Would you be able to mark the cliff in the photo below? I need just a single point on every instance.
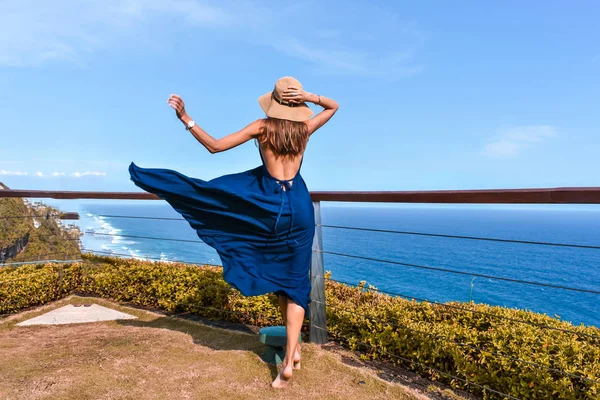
(14, 249)
(33, 232)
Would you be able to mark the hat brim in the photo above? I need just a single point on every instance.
(273, 109)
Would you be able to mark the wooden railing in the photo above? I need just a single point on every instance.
(567, 195)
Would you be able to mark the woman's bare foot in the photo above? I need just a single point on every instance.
(283, 378)
(285, 373)
(297, 358)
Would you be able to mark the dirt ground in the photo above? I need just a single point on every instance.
(164, 357)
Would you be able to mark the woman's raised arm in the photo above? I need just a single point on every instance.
(214, 145)
(330, 106)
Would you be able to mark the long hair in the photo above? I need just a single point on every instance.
(285, 138)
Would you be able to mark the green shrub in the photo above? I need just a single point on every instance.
(481, 348)
(32, 285)
(179, 288)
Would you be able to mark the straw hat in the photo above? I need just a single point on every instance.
(273, 105)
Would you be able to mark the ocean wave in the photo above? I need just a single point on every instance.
(103, 236)
(136, 254)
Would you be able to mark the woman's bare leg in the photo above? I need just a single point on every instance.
(283, 301)
(295, 316)
(283, 305)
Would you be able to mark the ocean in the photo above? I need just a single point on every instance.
(564, 266)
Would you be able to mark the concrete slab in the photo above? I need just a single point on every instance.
(70, 314)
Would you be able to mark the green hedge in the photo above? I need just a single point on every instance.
(376, 324)
(32, 285)
(474, 346)
(178, 288)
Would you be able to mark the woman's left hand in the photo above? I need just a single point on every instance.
(294, 95)
(177, 104)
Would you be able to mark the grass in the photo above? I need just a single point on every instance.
(163, 357)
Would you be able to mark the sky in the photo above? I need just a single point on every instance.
(433, 95)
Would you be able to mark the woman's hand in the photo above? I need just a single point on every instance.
(177, 104)
(297, 96)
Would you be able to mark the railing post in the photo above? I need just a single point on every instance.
(318, 319)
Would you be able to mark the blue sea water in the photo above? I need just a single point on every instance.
(572, 267)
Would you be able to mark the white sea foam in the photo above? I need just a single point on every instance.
(136, 254)
(105, 237)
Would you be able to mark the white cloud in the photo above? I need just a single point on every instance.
(39, 174)
(502, 149)
(359, 38)
(71, 163)
(17, 173)
(513, 141)
(349, 61)
(35, 32)
(87, 173)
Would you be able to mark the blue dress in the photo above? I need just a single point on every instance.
(261, 227)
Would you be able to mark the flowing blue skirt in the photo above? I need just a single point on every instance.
(262, 228)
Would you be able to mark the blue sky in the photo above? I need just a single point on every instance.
(433, 94)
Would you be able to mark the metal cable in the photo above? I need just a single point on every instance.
(92, 252)
(389, 262)
(468, 309)
(577, 246)
(45, 236)
(28, 216)
(40, 262)
(452, 271)
(541, 243)
(143, 237)
(140, 217)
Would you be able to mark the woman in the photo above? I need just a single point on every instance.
(260, 221)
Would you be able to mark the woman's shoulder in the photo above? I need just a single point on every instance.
(258, 124)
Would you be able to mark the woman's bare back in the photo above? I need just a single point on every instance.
(282, 168)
